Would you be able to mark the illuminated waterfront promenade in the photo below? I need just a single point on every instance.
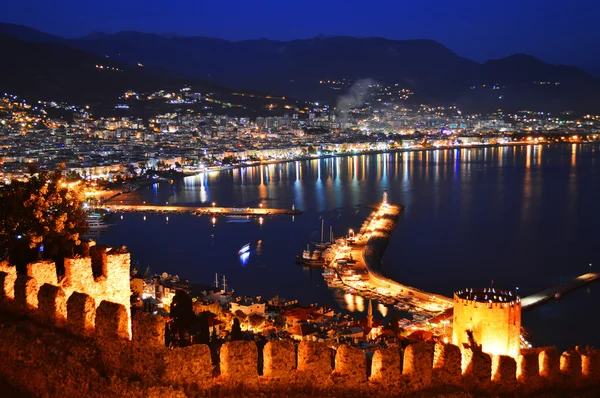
(366, 247)
(208, 211)
(561, 290)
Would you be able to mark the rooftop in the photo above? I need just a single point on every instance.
(486, 295)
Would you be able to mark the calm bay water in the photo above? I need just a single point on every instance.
(521, 216)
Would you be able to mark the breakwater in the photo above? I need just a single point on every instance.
(369, 247)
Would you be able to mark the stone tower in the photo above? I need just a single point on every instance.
(493, 315)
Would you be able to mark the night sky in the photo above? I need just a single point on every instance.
(553, 30)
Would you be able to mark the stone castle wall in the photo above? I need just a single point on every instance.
(82, 344)
(104, 276)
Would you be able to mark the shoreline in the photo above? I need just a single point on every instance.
(370, 152)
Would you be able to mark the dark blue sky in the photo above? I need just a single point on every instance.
(555, 31)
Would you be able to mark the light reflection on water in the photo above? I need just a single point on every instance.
(522, 216)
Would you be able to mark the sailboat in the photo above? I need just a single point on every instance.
(325, 245)
(222, 292)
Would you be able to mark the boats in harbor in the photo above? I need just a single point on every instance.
(244, 249)
(314, 259)
(96, 222)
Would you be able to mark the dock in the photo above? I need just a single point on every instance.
(211, 211)
(365, 248)
(561, 290)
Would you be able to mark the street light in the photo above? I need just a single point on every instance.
(213, 204)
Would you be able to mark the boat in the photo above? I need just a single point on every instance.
(239, 220)
(244, 249)
(557, 296)
(315, 259)
(319, 262)
(96, 223)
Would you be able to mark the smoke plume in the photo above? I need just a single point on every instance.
(356, 96)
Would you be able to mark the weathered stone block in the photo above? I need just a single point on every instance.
(351, 364)
(81, 314)
(279, 359)
(43, 272)
(504, 373)
(26, 290)
(447, 365)
(528, 368)
(239, 361)
(78, 275)
(549, 362)
(570, 367)
(477, 369)
(112, 321)
(114, 286)
(418, 365)
(148, 330)
(314, 358)
(8, 277)
(590, 366)
(386, 366)
(190, 366)
(52, 305)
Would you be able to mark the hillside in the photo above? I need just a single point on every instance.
(295, 68)
(58, 72)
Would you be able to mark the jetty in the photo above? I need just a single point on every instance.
(211, 211)
(362, 252)
(558, 291)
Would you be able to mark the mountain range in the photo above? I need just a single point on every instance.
(294, 68)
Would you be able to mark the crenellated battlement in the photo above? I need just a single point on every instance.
(84, 317)
(70, 300)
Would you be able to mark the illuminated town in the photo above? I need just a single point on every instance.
(235, 199)
(192, 141)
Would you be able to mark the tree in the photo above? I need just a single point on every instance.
(394, 325)
(182, 314)
(40, 217)
(236, 330)
(204, 330)
(213, 336)
(240, 314)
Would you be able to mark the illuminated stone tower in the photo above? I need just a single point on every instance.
(493, 315)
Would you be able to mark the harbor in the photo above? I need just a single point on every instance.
(351, 263)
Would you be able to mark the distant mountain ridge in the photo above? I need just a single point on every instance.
(294, 68)
(55, 71)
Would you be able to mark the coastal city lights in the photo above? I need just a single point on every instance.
(246, 199)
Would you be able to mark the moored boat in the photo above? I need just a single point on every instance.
(244, 249)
